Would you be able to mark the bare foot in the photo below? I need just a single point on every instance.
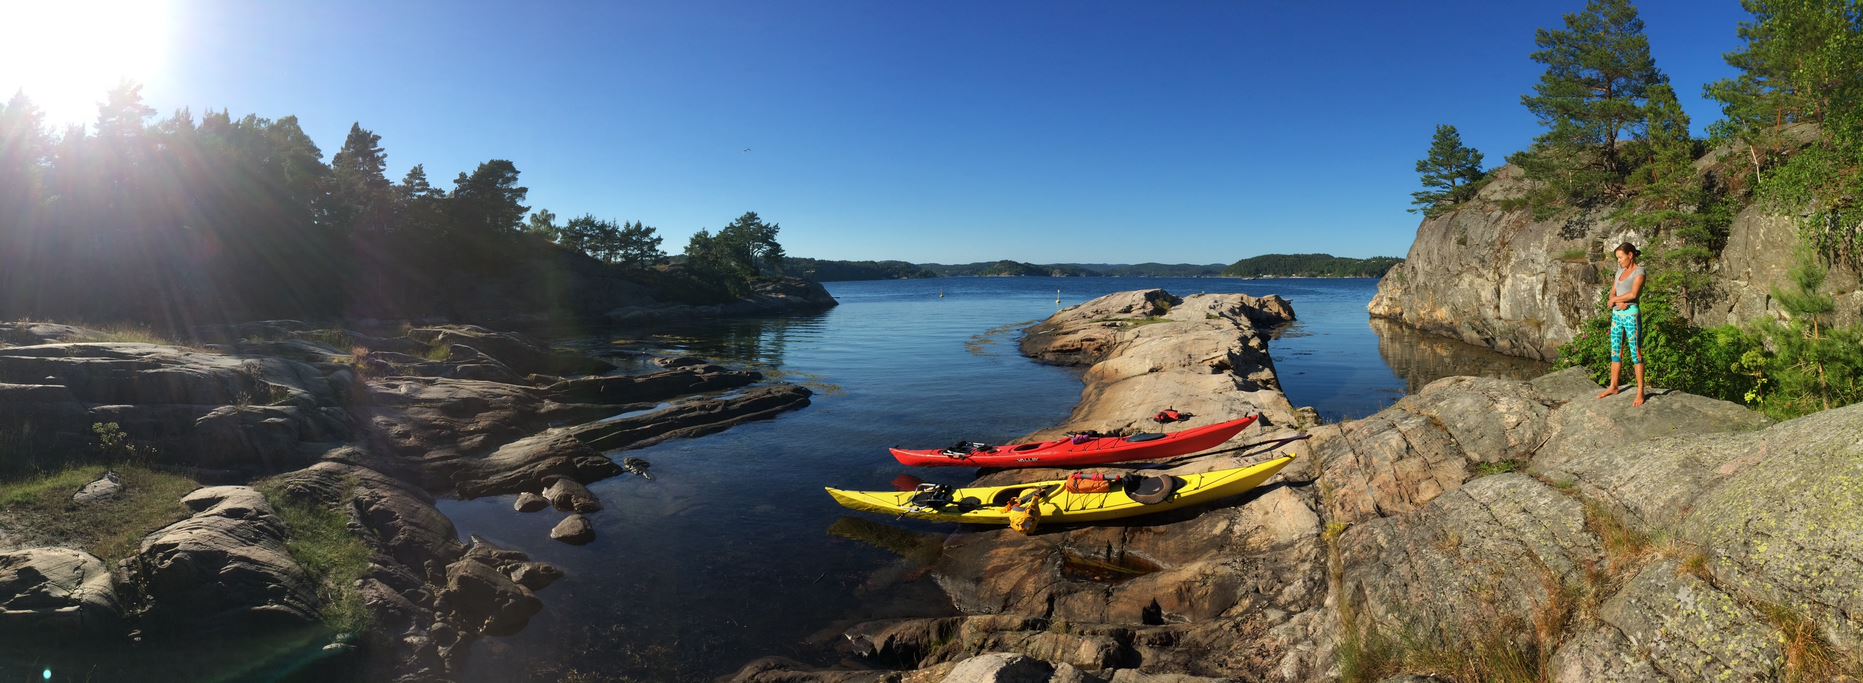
(1639, 402)
(1608, 392)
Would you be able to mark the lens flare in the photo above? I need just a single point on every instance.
(66, 54)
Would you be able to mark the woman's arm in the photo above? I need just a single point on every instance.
(1636, 290)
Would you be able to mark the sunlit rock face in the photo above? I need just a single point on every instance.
(1495, 276)
(56, 592)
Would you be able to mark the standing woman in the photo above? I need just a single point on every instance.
(1624, 319)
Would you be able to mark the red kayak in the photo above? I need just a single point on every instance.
(1077, 451)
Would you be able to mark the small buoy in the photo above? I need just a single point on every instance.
(1057, 296)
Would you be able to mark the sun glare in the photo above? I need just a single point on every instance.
(65, 54)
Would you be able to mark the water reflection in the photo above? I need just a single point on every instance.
(759, 341)
(1420, 358)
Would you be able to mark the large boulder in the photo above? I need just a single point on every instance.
(1426, 445)
(188, 407)
(484, 600)
(569, 494)
(574, 530)
(1146, 350)
(56, 593)
(1478, 561)
(1784, 524)
(1000, 667)
(226, 567)
(398, 519)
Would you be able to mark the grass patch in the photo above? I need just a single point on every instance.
(39, 510)
(1492, 657)
(129, 333)
(1368, 655)
(1624, 546)
(1497, 467)
(439, 353)
(1808, 656)
(320, 540)
(1333, 530)
(1575, 256)
(333, 338)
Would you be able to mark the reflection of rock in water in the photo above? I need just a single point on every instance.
(1421, 358)
(919, 547)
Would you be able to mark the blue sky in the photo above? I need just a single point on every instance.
(944, 131)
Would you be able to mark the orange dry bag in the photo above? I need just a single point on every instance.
(1081, 482)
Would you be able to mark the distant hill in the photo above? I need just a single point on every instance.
(1151, 269)
(1268, 265)
(821, 270)
(1310, 265)
(1006, 269)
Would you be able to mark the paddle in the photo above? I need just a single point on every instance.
(1271, 444)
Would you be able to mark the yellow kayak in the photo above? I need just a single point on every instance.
(1137, 495)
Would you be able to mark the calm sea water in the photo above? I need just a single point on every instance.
(733, 551)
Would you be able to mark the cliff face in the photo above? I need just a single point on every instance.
(1498, 278)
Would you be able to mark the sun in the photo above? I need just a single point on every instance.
(65, 54)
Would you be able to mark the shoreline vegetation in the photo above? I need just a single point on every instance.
(210, 219)
(1265, 266)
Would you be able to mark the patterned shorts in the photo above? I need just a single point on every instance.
(1624, 331)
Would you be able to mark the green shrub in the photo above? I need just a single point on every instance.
(1806, 365)
(113, 445)
(1676, 354)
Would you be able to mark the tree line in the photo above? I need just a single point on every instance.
(1311, 265)
(187, 220)
(1791, 137)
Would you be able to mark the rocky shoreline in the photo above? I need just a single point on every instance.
(303, 424)
(1479, 529)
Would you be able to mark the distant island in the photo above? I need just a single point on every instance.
(1311, 265)
(1266, 265)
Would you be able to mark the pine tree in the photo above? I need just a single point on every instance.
(1668, 179)
(489, 202)
(361, 197)
(1671, 197)
(122, 113)
(1803, 61)
(543, 224)
(1812, 366)
(1598, 72)
(638, 245)
(1449, 173)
